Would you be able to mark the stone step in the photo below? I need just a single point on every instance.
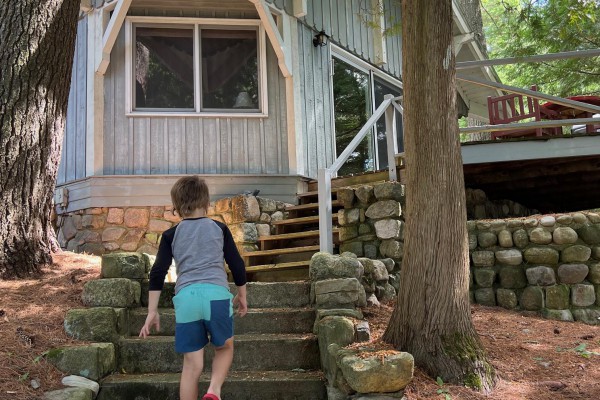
(257, 352)
(260, 294)
(240, 385)
(268, 320)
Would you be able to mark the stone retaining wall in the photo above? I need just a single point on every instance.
(546, 264)
(138, 229)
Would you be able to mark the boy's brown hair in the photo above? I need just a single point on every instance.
(188, 194)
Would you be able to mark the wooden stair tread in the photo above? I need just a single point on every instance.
(301, 220)
(295, 235)
(274, 252)
(278, 267)
(310, 206)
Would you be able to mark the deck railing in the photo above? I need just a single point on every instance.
(388, 107)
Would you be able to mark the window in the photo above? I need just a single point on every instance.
(200, 66)
(358, 89)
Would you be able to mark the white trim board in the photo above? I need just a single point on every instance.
(531, 149)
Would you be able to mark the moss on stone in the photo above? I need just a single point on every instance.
(473, 381)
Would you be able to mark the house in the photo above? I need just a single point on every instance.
(250, 94)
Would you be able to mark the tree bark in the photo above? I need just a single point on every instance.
(432, 319)
(36, 57)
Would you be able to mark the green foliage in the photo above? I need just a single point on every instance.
(515, 28)
(581, 350)
(442, 391)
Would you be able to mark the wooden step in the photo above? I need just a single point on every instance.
(295, 235)
(277, 252)
(279, 267)
(301, 220)
(311, 206)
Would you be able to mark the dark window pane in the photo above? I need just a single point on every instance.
(229, 69)
(352, 102)
(164, 68)
(381, 89)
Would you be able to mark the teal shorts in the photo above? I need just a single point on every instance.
(203, 313)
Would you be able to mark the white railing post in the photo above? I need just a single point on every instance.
(392, 142)
(325, 211)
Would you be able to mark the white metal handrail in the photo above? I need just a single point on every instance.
(528, 125)
(388, 107)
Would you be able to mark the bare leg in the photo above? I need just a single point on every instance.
(192, 368)
(220, 367)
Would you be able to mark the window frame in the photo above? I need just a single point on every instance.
(345, 56)
(196, 24)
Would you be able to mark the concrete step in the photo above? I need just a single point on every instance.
(267, 320)
(251, 385)
(260, 294)
(257, 352)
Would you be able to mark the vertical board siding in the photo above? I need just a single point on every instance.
(193, 144)
(72, 163)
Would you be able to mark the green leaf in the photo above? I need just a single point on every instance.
(439, 381)
(24, 377)
(39, 358)
(581, 347)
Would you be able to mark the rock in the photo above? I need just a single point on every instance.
(589, 316)
(136, 217)
(380, 272)
(392, 249)
(564, 235)
(388, 229)
(497, 225)
(390, 264)
(348, 232)
(93, 221)
(267, 205)
(355, 247)
(364, 229)
(91, 324)
(155, 211)
(532, 298)
(338, 293)
(81, 382)
(485, 297)
(547, 220)
(512, 278)
(557, 315)
(594, 273)
(346, 197)
(365, 194)
(509, 257)
(540, 236)
(385, 292)
(541, 255)
(113, 233)
(114, 292)
(472, 241)
(583, 295)
(223, 205)
(244, 208)
(158, 225)
(530, 223)
(564, 219)
(93, 361)
(277, 216)
(363, 332)
(265, 218)
(504, 238)
(72, 393)
(483, 258)
(596, 252)
(123, 265)
(244, 233)
(576, 253)
(540, 276)
(485, 277)
(507, 298)
(557, 297)
(384, 209)
(590, 234)
(487, 239)
(520, 238)
(572, 273)
(327, 266)
(378, 374)
(333, 330)
(372, 301)
(389, 191)
(348, 216)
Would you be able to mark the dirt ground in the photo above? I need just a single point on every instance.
(534, 358)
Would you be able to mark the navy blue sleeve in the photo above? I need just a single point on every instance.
(163, 261)
(232, 257)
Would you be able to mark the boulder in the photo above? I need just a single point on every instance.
(244, 232)
(384, 209)
(587, 316)
(326, 266)
(509, 257)
(345, 196)
(487, 239)
(348, 216)
(392, 248)
(339, 293)
(97, 324)
(583, 295)
(520, 238)
(113, 292)
(512, 278)
(564, 235)
(558, 315)
(245, 208)
(93, 361)
(123, 265)
(365, 194)
(540, 276)
(590, 234)
(507, 298)
(389, 191)
(377, 373)
(576, 253)
(505, 238)
(557, 297)
(541, 255)
(388, 228)
(483, 258)
(485, 277)
(333, 330)
(485, 297)
(594, 273)
(540, 236)
(572, 273)
(532, 298)
(69, 394)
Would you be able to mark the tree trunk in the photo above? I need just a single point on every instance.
(432, 319)
(36, 57)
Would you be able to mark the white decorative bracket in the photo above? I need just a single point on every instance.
(300, 8)
(282, 51)
(110, 35)
(460, 40)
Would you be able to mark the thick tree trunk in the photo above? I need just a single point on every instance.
(36, 55)
(432, 319)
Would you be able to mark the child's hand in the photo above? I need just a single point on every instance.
(241, 304)
(153, 319)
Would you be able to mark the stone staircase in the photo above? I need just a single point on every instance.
(276, 355)
(285, 255)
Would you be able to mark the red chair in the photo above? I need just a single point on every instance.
(516, 107)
